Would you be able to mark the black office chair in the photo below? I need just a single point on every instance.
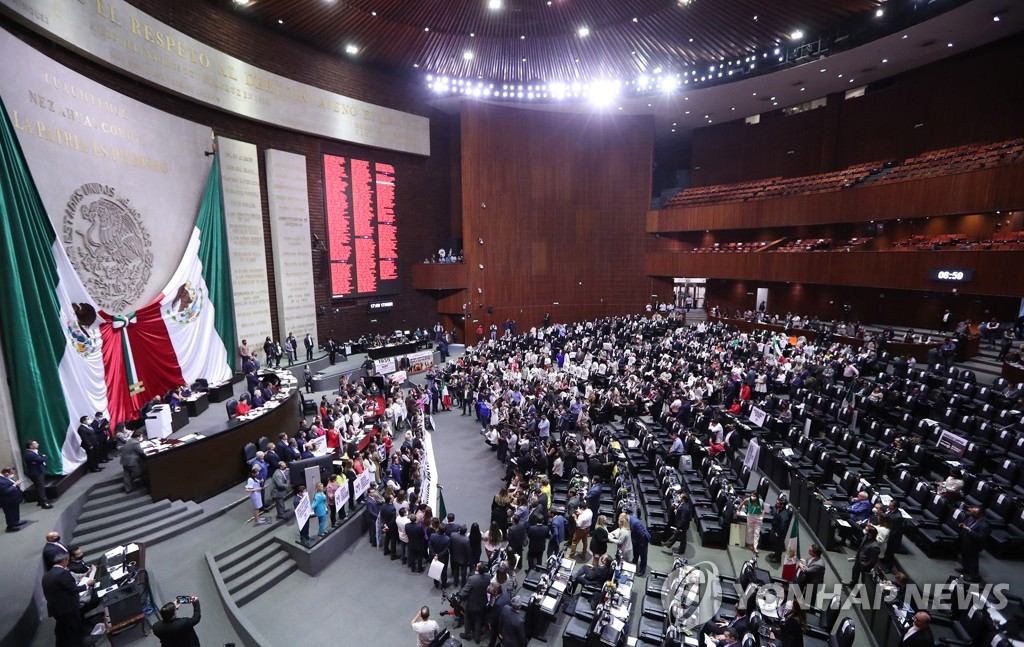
(843, 636)
(232, 408)
(262, 443)
(249, 451)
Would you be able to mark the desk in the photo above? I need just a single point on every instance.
(201, 468)
(179, 418)
(196, 404)
(221, 392)
(394, 350)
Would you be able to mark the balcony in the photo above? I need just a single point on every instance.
(440, 276)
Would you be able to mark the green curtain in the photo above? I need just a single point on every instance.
(30, 319)
(213, 254)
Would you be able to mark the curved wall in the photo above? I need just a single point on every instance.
(423, 194)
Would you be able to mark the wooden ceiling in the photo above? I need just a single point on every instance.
(538, 40)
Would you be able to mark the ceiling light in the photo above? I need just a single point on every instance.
(885, 60)
(879, 13)
(373, 13)
(472, 35)
(636, 20)
(351, 49)
(467, 55)
(796, 35)
(583, 32)
(494, 5)
(241, 3)
(657, 70)
(905, 36)
(522, 37)
(949, 44)
(280, 22)
(426, 29)
(994, 19)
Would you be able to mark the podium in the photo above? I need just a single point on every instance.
(158, 421)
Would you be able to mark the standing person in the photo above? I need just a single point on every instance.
(35, 470)
(289, 349)
(255, 490)
(791, 632)
(641, 543)
(132, 456)
(599, 538)
(974, 535)
(281, 482)
(425, 628)
(681, 519)
(389, 525)
(61, 592)
(308, 343)
(584, 518)
(90, 443)
(557, 523)
(307, 378)
(332, 350)
(945, 320)
(781, 522)
(439, 546)
(867, 555)
(460, 556)
(320, 508)
(175, 631)
(623, 539)
(300, 492)
(538, 535)
(11, 499)
(474, 595)
(594, 496)
(753, 506)
(416, 533)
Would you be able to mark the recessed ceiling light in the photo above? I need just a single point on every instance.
(583, 32)
(673, 130)
(472, 35)
(687, 112)
(879, 13)
(494, 5)
(802, 89)
(823, 69)
(994, 19)
(522, 38)
(524, 59)
(796, 35)
(415, 64)
(280, 22)
(905, 36)
(691, 40)
(351, 49)
(755, 94)
(637, 20)
(426, 29)
(949, 44)
(467, 55)
(241, 3)
(885, 60)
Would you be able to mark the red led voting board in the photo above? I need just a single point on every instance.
(362, 230)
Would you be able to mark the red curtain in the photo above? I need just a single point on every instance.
(156, 363)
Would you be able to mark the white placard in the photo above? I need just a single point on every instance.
(421, 361)
(753, 452)
(757, 416)
(311, 475)
(121, 181)
(318, 445)
(384, 365)
(362, 484)
(341, 496)
(303, 511)
(116, 34)
(952, 443)
(243, 217)
(398, 377)
(289, 230)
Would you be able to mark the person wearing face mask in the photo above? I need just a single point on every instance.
(90, 443)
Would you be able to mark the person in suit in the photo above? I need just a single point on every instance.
(460, 556)
(178, 632)
(308, 343)
(61, 592)
(895, 540)
(512, 626)
(332, 350)
(417, 544)
(132, 456)
(738, 626)
(53, 550)
(35, 470)
(439, 547)
(101, 426)
(867, 555)
(91, 445)
(781, 522)
(474, 601)
(920, 632)
(388, 518)
(11, 499)
(593, 497)
(281, 483)
(791, 632)
(590, 575)
(538, 535)
(974, 534)
(681, 518)
(499, 599)
(811, 571)
(450, 527)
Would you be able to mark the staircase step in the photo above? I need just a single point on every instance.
(258, 572)
(179, 518)
(264, 584)
(112, 500)
(269, 550)
(232, 556)
(100, 520)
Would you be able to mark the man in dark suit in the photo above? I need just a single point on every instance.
(417, 545)
(511, 625)
(867, 555)
(681, 518)
(920, 633)
(594, 496)
(11, 499)
(178, 632)
(974, 535)
(781, 522)
(892, 544)
(61, 592)
(738, 626)
(460, 556)
(101, 426)
(53, 551)
(308, 343)
(517, 539)
(499, 599)
(388, 517)
(591, 576)
(474, 601)
(90, 443)
(35, 470)
(538, 535)
(439, 543)
(449, 527)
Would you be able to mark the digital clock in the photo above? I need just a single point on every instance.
(951, 275)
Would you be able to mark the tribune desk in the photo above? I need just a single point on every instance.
(197, 467)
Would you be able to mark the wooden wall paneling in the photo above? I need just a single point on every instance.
(565, 198)
(921, 310)
(991, 189)
(996, 273)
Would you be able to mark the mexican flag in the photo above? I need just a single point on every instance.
(792, 551)
(50, 340)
